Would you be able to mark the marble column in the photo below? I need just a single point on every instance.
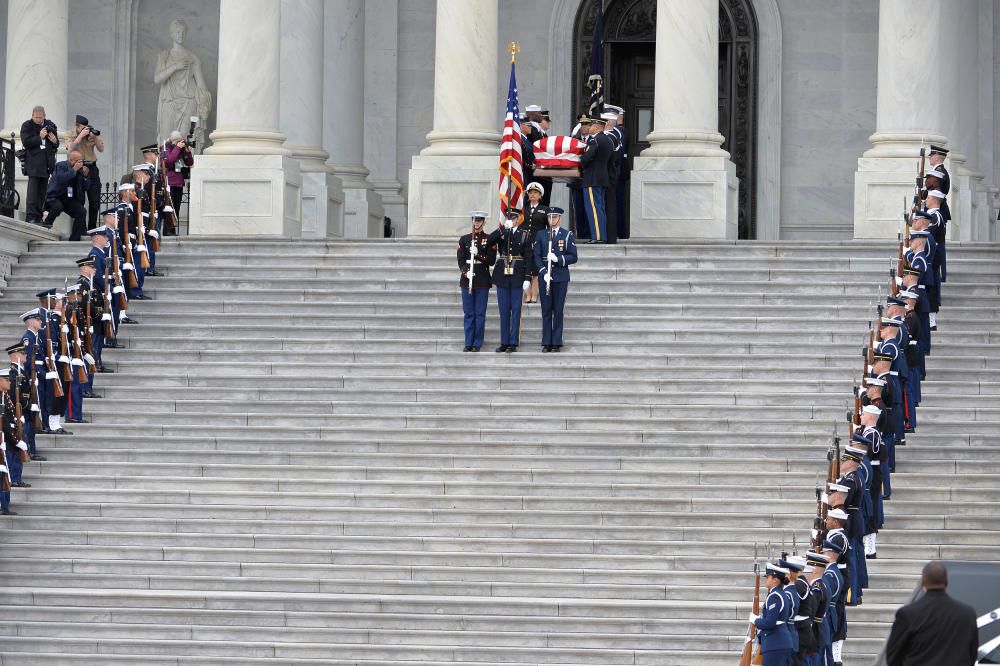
(344, 119)
(302, 117)
(909, 115)
(458, 171)
(37, 69)
(684, 185)
(381, 107)
(246, 182)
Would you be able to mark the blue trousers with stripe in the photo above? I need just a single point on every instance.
(474, 308)
(597, 218)
(509, 303)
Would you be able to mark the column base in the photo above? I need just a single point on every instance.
(363, 214)
(246, 195)
(322, 205)
(684, 197)
(393, 205)
(444, 190)
(883, 192)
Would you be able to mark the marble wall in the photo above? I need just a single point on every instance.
(829, 71)
(416, 81)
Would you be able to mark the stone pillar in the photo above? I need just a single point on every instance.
(459, 170)
(37, 70)
(344, 110)
(684, 185)
(246, 181)
(911, 54)
(302, 117)
(381, 105)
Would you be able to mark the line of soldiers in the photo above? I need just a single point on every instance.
(804, 615)
(52, 366)
(518, 255)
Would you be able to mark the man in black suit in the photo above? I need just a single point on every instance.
(40, 139)
(595, 179)
(934, 630)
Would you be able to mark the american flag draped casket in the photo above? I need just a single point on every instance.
(558, 157)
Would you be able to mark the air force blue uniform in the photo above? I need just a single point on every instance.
(553, 298)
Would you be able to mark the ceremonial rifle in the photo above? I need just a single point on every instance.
(119, 286)
(66, 370)
(548, 266)
(820, 514)
(78, 350)
(140, 236)
(18, 417)
(133, 280)
(154, 235)
(108, 316)
(88, 330)
(747, 657)
(36, 411)
(168, 209)
(50, 357)
(918, 191)
(472, 255)
(4, 473)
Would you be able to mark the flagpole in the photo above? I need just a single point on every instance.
(514, 49)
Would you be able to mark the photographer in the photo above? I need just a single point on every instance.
(178, 161)
(88, 141)
(40, 139)
(65, 193)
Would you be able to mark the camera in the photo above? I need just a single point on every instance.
(22, 154)
(94, 131)
(89, 163)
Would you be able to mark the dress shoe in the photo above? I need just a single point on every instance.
(38, 458)
(21, 484)
(501, 348)
(113, 345)
(77, 421)
(556, 348)
(94, 396)
(475, 349)
(8, 512)
(511, 348)
(129, 320)
(873, 556)
(140, 297)
(547, 348)
(152, 274)
(105, 371)
(45, 430)
(466, 349)
(62, 431)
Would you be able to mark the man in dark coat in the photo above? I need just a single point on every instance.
(66, 191)
(934, 629)
(40, 139)
(595, 179)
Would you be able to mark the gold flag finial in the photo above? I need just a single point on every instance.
(514, 49)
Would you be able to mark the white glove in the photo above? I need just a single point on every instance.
(815, 533)
(525, 285)
(508, 224)
(753, 618)
(547, 278)
(553, 258)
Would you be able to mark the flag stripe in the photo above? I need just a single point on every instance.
(511, 159)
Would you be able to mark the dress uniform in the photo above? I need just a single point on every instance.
(21, 388)
(536, 218)
(833, 579)
(511, 248)
(473, 250)
(594, 166)
(52, 322)
(34, 367)
(794, 566)
(773, 628)
(10, 465)
(819, 605)
(554, 246)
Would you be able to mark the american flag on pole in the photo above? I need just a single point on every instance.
(511, 170)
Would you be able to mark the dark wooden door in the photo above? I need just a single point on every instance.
(632, 83)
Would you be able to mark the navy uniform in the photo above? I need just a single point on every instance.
(474, 301)
(773, 628)
(73, 320)
(594, 167)
(833, 580)
(52, 322)
(21, 388)
(819, 597)
(621, 195)
(91, 290)
(511, 248)
(536, 218)
(553, 295)
(34, 368)
(152, 224)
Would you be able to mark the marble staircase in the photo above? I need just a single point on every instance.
(294, 462)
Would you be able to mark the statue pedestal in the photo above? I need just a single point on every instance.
(240, 195)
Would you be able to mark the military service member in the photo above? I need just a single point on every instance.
(512, 276)
(555, 251)
(474, 253)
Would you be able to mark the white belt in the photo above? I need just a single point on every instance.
(875, 462)
(780, 622)
(799, 618)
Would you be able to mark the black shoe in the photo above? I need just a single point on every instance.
(591, 241)
(112, 345)
(556, 348)
(94, 396)
(8, 512)
(38, 458)
(501, 348)
(62, 431)
(153, 274)
(45, 430)
(547, 348)
(141, 297)
(467, 348)
(873, 556)
(511, 348)
(104, 370)
(76, 421)
(128, 320)
(21, 484)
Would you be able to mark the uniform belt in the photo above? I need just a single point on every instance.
(799, 618)
(875, 462)
(514, 260)
(780, 622)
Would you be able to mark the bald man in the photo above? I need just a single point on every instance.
(66, 192)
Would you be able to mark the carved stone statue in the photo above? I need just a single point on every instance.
(183, 92)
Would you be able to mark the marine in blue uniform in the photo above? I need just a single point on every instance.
(554, 247)
(511, 276)
(773, 629)
(8, 455)
(473, 251)
(16, 450)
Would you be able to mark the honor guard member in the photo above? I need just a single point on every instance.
(9, 455)
(772, 624)
(512, 277)
(473, 252)
(34, 366)
(21, 380)
(116, 220)
(555, 250)
(594, 166)
(794, 567)
(92, 287)
(536, 218)
(77, 353)
(802, 622)
(141, 174)
(52, 331)
(621, 196)
(833, 579)
(17, 450)
(819, 601)
(610, 119)
(150, 154)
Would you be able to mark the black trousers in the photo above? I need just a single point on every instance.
(176, 194)
(74, 209)
(35, 198)
(93, 197)
(611, 210)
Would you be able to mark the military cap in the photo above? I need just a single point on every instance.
(532, 108)
(151, 148)
(535, 186)
(935, 173)
(513, 213)
(126, 186)
(609, 115)
(908, 294)
(937, 194)
(99, 231)
(46, 293)
(478, 215)
(874, 381)
(31, 314)
(612, 107)
(812, 557)
(73, 288)
(838, 546)
(873, 410)
(894, 300)
(556, 210)
(837, 488)
(86, 261)
(919, 233)
(5, 373)
(148, 168)
(890, 322)
(839, 514)
(792, 563)
(18, 347)
(851, 453)
(910, 270)
(938, 150)
(775, 570)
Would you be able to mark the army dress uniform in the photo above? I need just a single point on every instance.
(511, 276)
(561, 253)
(474, 248)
